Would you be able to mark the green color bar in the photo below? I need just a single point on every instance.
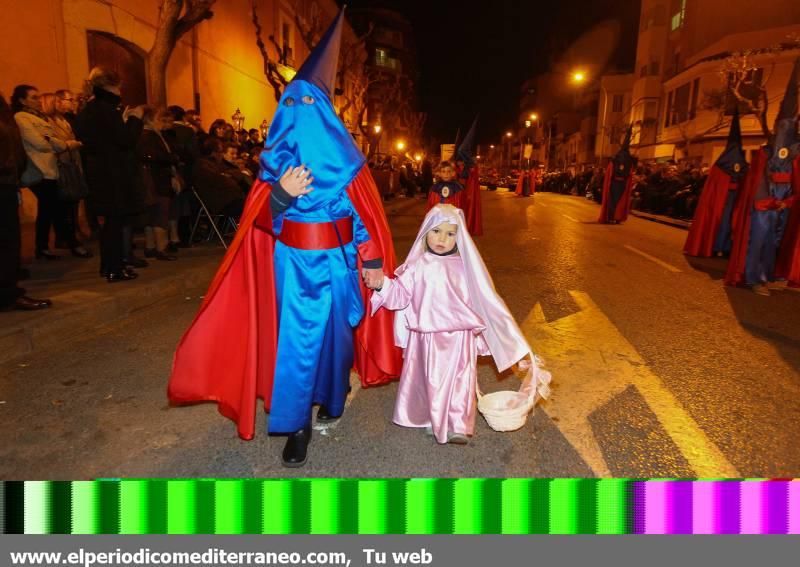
(277, 507)
(563, 506)
(420, 507)
(37, 500)
(515, 500)
(84, 507)
(60, 507)
(229, 514)
(181, 506)
(325, 506)
(468, 509)
(586, 509)
(612, 505)
(133, 507)
(372, 507)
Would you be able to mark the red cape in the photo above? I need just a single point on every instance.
(472, 201)
(228, 353)
(740, 220)
(788, 266)
(624, 203)
(532, 175)
(708, 215)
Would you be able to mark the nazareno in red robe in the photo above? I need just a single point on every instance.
(456, 199)
(472, 201)
(532, 176)
(624, 203)
(708, 216)
(228, 353)
(788, 264)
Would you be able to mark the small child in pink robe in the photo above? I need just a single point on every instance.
(448, 314)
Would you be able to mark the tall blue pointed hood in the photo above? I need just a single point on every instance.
(466, 149)
(732, 161)
(306, 130)
(786, 145)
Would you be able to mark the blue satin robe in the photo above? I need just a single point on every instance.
(319, 304)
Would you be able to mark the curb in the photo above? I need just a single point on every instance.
(677, 223)
(77, 312)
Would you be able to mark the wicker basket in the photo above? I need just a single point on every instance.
(507, 410)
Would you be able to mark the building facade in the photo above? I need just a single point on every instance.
(681, 101)
(216, 68)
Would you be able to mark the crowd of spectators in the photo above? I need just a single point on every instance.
(130, 171)
(658, 188)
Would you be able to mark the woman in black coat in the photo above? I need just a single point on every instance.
(109, 139)
(160, 182)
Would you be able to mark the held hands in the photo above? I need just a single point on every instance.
(373, 277)
(296, 181)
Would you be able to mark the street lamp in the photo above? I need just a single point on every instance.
(578, 77)
(401, 145)
(527, 124)
(534, 117)
(377, 128)
(264, 129)
(238, 120)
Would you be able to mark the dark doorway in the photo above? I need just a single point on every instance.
(126, 59)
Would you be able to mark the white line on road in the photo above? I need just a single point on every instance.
(592, 363)
(661, 263)
(573, 219)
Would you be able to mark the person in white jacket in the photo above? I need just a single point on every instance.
(42, 146)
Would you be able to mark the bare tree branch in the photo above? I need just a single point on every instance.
(275, 79)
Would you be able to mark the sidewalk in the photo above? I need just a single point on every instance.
(83, 301)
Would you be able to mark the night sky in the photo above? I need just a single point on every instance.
(474, 56)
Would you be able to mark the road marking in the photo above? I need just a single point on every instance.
(661, 263)
(573, 219)
(592, 362)
(355, 388)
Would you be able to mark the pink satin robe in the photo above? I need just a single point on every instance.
(439, 377)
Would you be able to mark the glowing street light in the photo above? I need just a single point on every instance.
(508, 134)
(578, 77)
(534, 117)
(377, 128)
(527, 124)
(491, 147)
(401, 145)
(418, 157)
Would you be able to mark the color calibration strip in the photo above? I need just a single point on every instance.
(401, 506)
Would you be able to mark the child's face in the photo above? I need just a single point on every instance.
(442, 239)
(447, 173)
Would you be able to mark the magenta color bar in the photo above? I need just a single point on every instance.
(655, 507)
(794, 507)
(751, 518)
(704, 509)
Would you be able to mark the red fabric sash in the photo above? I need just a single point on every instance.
(781, 177)
(316, 235)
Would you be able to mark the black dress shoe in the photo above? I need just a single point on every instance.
(47, 255)
(81, 252)
(164, 257)
(123, 276)
(26, 303)
(135, 262)
(324, 416)
(295, 452)
(172, 247)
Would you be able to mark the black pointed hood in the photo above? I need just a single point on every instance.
(624, 161)
(785, 144)
(466, 149)
(732, 161)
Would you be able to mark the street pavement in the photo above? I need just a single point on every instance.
(658, 371)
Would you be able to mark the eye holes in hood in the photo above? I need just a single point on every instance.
(288, 101)
(308, 99)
